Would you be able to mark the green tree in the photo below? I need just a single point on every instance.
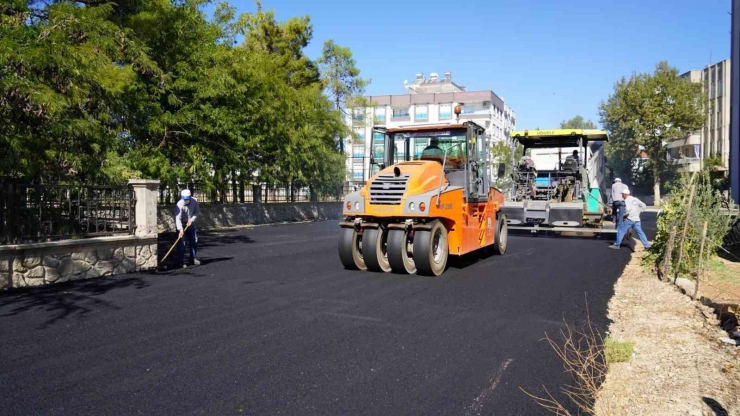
(96, 91)
(577, 122)
(650, 110)
(285, 41)
(341, 79)
(63, 71)
(501, 152)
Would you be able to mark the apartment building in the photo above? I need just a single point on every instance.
(427, 101)
(714, 139)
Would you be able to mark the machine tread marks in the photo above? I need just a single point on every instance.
(374, 249)
(350, 252)
(431, 250)
(398, 255)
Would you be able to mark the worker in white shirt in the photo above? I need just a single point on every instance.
(187, 212)
(633, 207)
(618, 202)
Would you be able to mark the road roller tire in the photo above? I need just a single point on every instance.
(374, 249)
(350, 251)
(398, 253)
(502, 236)
(431, 250)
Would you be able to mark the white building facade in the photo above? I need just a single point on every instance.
(714, 139)
(428, 101)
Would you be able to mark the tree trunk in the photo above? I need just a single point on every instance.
(656, 187)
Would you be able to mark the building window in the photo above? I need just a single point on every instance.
(475, 109)
(380, 114)
(420, 113)
(378, 146)
(445, 111)
(488, 123)
(358, 152)
(359, 115)
(720, 142)
(400, 112)
(358, 171)
(719, 113)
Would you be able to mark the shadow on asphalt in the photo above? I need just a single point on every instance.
(66, 299)
(206, 239)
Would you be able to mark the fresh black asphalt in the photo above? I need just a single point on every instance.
(271, 323)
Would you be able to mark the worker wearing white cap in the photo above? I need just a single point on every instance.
(187, 211)
(618, 202)
(633, 207)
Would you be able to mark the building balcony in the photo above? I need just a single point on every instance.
(687, 164)
(689, 140)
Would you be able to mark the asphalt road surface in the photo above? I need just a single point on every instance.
(271, 323)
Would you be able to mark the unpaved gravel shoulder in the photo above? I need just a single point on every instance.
(679, 364)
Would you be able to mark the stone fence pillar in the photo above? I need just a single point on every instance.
(146, 191)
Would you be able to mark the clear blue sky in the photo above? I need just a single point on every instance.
(550, 59)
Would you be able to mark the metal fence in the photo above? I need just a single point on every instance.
(250, 193)
(39, 213)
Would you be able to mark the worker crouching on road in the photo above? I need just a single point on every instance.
(187, 211)
(633, 207)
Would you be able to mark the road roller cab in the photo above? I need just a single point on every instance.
(412, 214)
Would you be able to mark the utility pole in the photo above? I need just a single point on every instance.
(735, 103)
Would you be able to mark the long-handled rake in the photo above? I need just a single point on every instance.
(174, 245)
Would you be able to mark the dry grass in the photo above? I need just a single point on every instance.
(584, 357)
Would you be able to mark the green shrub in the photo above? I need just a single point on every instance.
(706, 206)
(617, 352)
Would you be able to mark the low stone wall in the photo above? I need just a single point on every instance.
(40, 264)
(231, 215)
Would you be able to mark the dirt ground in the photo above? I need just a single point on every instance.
(721, 282)
(679, 365)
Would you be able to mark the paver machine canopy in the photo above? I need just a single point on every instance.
(431, 197)
(559, 182)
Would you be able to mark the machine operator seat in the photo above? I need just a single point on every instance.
(526, 164)
(436, 158)
(456, 178)
(570, 164)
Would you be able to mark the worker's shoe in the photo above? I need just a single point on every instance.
(195, 262)
(612, 246)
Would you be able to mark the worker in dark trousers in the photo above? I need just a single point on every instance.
(618, 206)
(187, 212)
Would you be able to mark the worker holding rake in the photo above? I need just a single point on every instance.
(187, 212)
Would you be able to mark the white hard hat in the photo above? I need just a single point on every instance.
(617, 180)
(185, 194)
(626, 192)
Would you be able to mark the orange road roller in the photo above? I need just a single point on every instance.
(430, 198)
